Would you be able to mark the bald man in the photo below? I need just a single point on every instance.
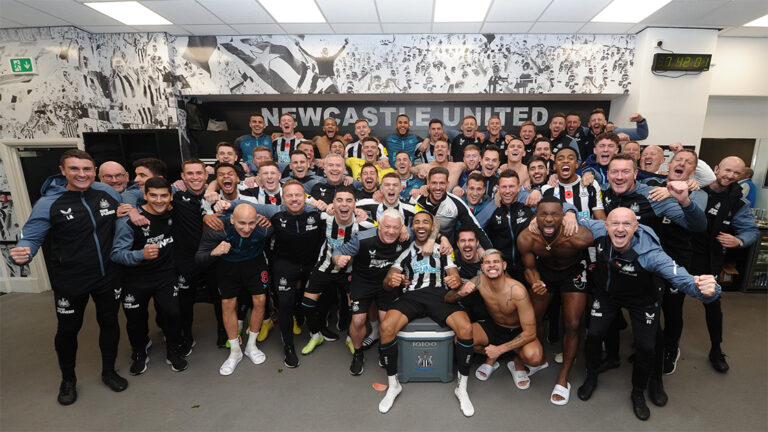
(651, 159)
(629, 257)
(241, 266)
(730, 225)
(114, 175)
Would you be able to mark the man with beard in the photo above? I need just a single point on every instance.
(587, 200)
(114, 175)
(369, 178)
(556, 263)
(527, 135)
(467, 137)
(496, 137)
(330, 133)
(515, 154)
(597, 125)
(489, 165)
(629, 261)
(409, 183)
(246, 143)
(300, 171)
(390, 187)
(227, 182)
(511, 325)
(538, 173)
(424, 279)
(402, 140)
(355, 149)
(557, 135)
(730, 224)
(474, 195)
(442, 152)
(436, 133)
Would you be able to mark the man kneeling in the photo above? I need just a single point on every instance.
(512, 323)
(425, 279)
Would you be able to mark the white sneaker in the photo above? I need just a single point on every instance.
(389, 399)
(256, 355)
(461, 394)
(230, 364)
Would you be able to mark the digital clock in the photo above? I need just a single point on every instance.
(681, 62)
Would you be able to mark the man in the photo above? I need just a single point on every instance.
(447, 208)
(241, 266)
(628, 258)
(247, 143)
(606, 145)
(748, 188)
(225, 153)
(369, 178)
(543, 149)
(632, 148)
(80, 216)
(597, 125)
(402, 140)
(512, 323)
(114, 175)
(355, 149)
(557, 134)
(390, 186)
(284, 146)
(133, 196)
(515, 153)
(467, 137)
(471, 163)
(409, 183)
(269, 180)
(474, 195)
(489, 165)
(424, 279)
(260, 154)
(334, 177)
(557, 264)
(587, 200)
(227, 181)
(315, 166)
(442, 152)
(573, 127)
(650, 161)
(436, 133)
(326, 277)
(527, 135)
(371, 153)
(730, 224)
(538, 173)
(374, 251)
(146, 253)
(299, 164)
(496, 137)
(330, 132)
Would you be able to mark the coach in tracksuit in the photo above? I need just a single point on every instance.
(146, 252)
(80, 216)
(630, 262)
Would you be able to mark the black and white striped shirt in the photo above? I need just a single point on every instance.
(335, 236)
(584, 199)
(282, 148)
(261, 194)
(423, 271)
(374, 209)
(355, 150)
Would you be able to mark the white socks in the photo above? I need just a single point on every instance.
(251, 345)
(374, 330)
(393, 390)
(252, 351)
(461, 394)
(234, 346)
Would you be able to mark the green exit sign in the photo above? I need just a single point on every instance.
(23, 65)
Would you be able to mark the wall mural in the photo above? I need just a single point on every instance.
(443, 63)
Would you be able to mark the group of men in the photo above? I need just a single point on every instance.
(485, 233)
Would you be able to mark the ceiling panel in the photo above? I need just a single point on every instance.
(735, 14)
(238, 11)
(5, 23)
(307, 28)
(506, 27)
(358, 28)
(570, 11)
(516, 10)
(405, 28)
(255, 29)
(28, 16)
(457, 27)
(610, 28)
(405, 11)
(745, 32)
(73, 12)
(170, 29)
(556, 27)
(210, 29)
(107, 29)
(348, 11)
(183, 12)
(682, 13)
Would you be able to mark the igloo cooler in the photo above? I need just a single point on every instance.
(425, 352)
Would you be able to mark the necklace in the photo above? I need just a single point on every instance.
(549, 244)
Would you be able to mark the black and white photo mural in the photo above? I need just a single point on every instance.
(429, 63)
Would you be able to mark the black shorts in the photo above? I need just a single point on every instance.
(251, 276)
(288, 275)
(572, 279)
(320, 282)
(363, 294)
(426, 302)
(497, 334)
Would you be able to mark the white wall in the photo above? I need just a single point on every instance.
(740, 67)
(736, 117)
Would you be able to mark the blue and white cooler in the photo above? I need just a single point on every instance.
(425, 352)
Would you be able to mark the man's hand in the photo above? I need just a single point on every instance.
(136, 218)
(428, 247)
(210, 170)
(360, 215)
(415, 193)
(693, 185)
(348, 180)
(552, 180)
(728, 240)
(20, 255)
(570, 224)
(706, 284)
(211, 196)
(623, 138)
(150, 251)
(452, 281)
(221, 249)
(250, 182)
(479, 135)
(445, 246)
(424, 146)
(587, 178)
(610, 127)
(299, 136)
(263, 221)
(636, 118)
(383, 163)
(348, 138)
(658, 194)
(404, 234)
(675, 147)
(318, 204)
(213, 222)
(539, 287)
(679, 191)
(459, 192)
(377, 196)
(222, 205)
(533, 198)
(468, 288)
(341, 261)
(395, 280)
(123, 209)
(179, 184)
(423, 191)
(493, 351)
(533, 226)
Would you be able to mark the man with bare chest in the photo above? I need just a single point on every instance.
(556, 263)
(512, 322)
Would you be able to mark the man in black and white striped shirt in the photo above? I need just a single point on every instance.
(390, 191)
(587, 200)
(327, 276)
(425, 279)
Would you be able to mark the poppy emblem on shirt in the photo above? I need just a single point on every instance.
(568, 194)
(272, 199)
(341, 232)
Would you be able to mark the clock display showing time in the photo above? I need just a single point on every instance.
(681, 62)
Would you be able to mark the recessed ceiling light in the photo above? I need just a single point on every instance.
(629, 11)
(760, 22)
(293, 11)
(129, 13)
(460, 11)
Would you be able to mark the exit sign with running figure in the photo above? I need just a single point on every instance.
(22, 65)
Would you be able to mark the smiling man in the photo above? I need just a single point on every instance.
(284, 146)
(402, 140)
(246, 143)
